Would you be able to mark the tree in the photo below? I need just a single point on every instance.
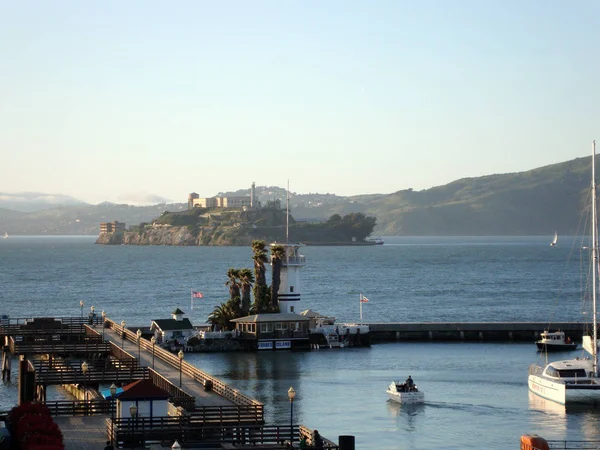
(277, 255)
(261, 291)
(223, 314)
(246, 279)
(233, 283)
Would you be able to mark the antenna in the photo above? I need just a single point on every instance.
(287, 213)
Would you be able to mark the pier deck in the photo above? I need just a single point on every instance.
(190, 385)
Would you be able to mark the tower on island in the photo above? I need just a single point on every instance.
(289, 291)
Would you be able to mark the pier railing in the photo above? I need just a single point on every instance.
(193, 372)
(178, 396)
(47, 344)
(59, 371)
(139, 431)
(80, 407)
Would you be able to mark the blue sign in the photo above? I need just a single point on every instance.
(265, 345)
(280, 345)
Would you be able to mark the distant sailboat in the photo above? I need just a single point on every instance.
(6, 235)
(555, 240)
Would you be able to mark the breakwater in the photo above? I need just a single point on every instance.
(471, 331)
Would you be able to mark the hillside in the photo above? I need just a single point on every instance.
(534, 202)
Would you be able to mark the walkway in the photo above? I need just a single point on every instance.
(189, 385)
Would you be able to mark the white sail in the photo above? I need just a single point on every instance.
(555, 240)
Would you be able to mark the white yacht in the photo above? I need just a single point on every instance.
(575, 381)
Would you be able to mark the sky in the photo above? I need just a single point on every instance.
(144, 101)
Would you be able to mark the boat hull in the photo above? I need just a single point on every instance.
(543, 347)
(406, 397)
(565, 393)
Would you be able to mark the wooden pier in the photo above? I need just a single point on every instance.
(203, 410)
(471, 331)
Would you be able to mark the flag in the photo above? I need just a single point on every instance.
(196, 294)
(364, 299)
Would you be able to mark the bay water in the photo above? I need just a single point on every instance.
(476, 393)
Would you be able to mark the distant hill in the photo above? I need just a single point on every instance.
(535, 202)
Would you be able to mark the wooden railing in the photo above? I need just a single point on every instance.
(178, 396)
(58, 347)
(239, 414)
(205, 379)
(80, 407)
(142, 430)
(20, 325)
(99, 371)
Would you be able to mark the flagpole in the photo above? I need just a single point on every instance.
(192, 299)
(360, 302)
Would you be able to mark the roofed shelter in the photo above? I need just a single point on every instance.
(169, 330)
(278, 331)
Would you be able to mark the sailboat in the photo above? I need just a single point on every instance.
(6, 235)
(555, 240)
(575, 381)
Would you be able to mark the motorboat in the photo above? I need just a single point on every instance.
(401, 393)
(554, 341)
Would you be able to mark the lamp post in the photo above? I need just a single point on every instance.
(103, 323)
(133, 409)
(123, 323)
(180, 355)
(153, 342)
(291, 396)
(81, 306)
(84, 369)
(139, 338)
(113, 394)
(92, 315)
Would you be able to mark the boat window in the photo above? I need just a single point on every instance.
(572, 373)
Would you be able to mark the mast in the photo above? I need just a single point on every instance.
(594, 260)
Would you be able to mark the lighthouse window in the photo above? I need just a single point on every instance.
(291, 288)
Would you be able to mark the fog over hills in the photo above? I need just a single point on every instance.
(534, 202)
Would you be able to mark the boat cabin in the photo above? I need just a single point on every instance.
(276, 331)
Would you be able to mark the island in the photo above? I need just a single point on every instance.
(239, 226)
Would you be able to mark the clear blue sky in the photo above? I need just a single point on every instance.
(121, 100)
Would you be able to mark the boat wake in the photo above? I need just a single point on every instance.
(472, 408)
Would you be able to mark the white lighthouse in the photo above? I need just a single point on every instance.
(289, 292)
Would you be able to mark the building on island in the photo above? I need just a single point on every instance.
(112, 227)
(167, 331)
(237, 202)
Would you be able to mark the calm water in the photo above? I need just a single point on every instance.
(475, 393)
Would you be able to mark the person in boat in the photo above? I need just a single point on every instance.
(410, 384)
(568, 340)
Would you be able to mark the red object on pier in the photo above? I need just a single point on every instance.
(533, 442)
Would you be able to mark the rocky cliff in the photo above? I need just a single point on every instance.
(182, 236)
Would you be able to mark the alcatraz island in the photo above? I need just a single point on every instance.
(228, 220)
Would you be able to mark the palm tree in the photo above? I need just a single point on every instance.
(233, 283)
(223, 314)
(277, 255)
(261, 291)
(246, 280)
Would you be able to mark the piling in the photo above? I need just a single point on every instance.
(346, 442)
(6, 361)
